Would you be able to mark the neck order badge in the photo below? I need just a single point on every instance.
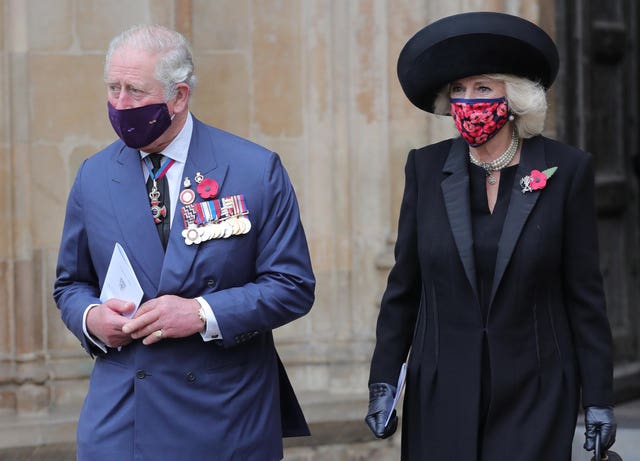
(158, 189)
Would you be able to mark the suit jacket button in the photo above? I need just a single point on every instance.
(191, 377)
(210, 283)
(140, 374)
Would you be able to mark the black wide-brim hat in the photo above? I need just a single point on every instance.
(469, 44)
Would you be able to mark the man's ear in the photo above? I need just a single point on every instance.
(181, 98)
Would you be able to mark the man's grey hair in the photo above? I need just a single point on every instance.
(175, 64)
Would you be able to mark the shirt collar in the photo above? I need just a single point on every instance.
(179, 147)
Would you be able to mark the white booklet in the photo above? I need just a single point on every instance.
(399, 387)
(121, 281)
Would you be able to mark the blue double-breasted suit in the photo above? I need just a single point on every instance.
(185, 398)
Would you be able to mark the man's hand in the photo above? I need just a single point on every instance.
(165, 317)
(105, 322)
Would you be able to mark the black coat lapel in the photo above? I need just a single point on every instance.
(455, 189)
(520, 205)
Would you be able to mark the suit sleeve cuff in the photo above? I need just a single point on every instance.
(211, 331)
(99, 344)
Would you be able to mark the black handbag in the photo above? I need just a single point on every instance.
(601, 454)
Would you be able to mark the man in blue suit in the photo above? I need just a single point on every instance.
(211, 227)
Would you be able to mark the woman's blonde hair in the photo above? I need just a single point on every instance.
(527, 102)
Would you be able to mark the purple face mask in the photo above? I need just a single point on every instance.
(140, 126)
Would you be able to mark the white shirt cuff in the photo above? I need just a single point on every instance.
(99, 344)
(211, 331)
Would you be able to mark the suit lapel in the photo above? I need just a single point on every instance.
(129, 197)
(455, 189)
(520, 207)
(179, 256)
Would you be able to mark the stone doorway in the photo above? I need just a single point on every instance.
(598, 110)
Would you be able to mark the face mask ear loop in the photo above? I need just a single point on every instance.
(167, 102)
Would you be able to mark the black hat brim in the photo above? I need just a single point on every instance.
(468, 44)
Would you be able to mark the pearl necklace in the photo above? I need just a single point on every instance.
(501, 162)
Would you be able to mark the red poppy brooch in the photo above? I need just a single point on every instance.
(207, 188)
(536, 180)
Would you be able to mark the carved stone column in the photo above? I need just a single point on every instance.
(25, 385)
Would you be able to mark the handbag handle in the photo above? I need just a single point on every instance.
(599, 455)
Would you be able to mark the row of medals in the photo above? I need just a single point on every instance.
(234, 225)
(224, 228)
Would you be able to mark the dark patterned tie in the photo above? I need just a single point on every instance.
(162, 209)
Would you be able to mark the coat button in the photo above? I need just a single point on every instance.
(210, 283)
(140, 374)
(191, 377)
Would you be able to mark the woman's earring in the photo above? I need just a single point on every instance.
(511, 118)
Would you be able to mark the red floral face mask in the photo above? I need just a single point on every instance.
(478, 120)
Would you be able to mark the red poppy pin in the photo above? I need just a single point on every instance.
(208, 188)
(536, 179)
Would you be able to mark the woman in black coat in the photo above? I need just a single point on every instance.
(495, 299)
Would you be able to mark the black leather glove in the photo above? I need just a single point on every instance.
(599, 418)
(380, 405)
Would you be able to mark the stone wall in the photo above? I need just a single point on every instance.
(313, 80)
